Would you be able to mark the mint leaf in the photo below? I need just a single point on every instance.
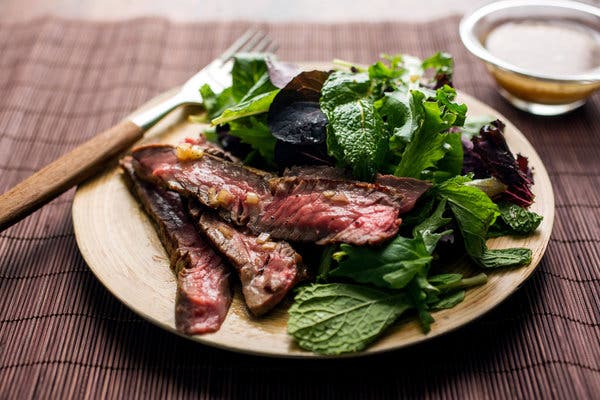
(417, 289)
(499, 258)
(343, 87)
(341, 318)
(447, 301)
(392, 266)
(254, 105)
(356, 137)
(355, 133)
(514, 220)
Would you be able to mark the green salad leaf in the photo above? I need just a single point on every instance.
(429, 144)
(337, 318)
(250, 76)
(254, 105)
(255, 131)
(215, 103)
(403, 116)
(392, 266)
(514, 220)
(475, 212)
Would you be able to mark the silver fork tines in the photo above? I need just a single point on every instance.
(217, 74)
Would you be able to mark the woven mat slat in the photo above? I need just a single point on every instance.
(62, 335)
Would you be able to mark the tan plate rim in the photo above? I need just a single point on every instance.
(541, 178)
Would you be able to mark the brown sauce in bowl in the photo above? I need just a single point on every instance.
(547, 47)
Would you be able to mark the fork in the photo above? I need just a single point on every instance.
(89, 158)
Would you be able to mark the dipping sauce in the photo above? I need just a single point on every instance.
(546, 47)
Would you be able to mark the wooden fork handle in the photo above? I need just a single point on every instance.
(69, 170)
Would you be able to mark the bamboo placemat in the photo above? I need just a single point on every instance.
(63, 335)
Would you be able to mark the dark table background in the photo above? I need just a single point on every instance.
(63, 335)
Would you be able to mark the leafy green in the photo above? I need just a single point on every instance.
(473, 125)
(451, 164)
(214, 103)
(255, 131)
(403, 116)
(451, 289)
(356, 137)
(417, 290)
(447, 301)
(429, 143)
(249, 74)
(501, 258)
(473, 210)
(429, 226)
(254, 105)
(392, 266)
(514, 220)
(355, 134)
(442, 63)
(339, 318)
(325, 264)
(475, 213)
(343, 87)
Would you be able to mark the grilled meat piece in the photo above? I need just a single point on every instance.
(203, 293)
(267, 269)
(410, 189)
(288, 208)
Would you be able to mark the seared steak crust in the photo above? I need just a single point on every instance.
(410, 189)
(203, 293)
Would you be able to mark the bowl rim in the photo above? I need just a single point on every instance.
(473, 45)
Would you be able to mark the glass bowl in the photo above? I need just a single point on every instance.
(528, 88)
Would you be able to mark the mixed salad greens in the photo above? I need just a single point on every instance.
(398, 116)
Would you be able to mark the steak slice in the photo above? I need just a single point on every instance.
(289, 208)
(203, 294)
(317, 171)
(410, 189)
(329, 211)
(236, 191)
(211, 148)
(267, 269)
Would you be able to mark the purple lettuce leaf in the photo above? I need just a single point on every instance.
(488, 155)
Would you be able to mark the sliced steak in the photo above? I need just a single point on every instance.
(328, 211)
(410, 189)
(211, 148)
(289, 208)
(317, 171)
(203, 293)
(236, 191)
(267, 269)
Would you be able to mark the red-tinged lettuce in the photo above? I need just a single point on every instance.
(281, 73)
(488, 155)
(295, 119)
